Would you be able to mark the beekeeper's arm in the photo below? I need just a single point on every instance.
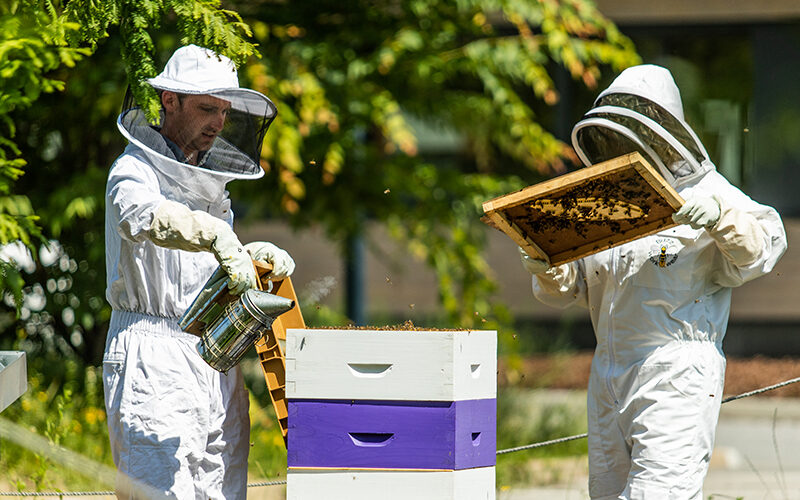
(750, 236)
(175, 226)
(557, 286)
(143, 213)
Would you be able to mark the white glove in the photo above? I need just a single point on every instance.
(282, 263)
(698, 212)
(533, 266)
(233, 258)
(176, 226)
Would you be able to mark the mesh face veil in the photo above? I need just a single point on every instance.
(210, 124)
(629, 117)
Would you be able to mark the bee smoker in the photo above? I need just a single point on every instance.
(229, 325)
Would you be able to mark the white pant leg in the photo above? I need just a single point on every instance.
(673, 421)
(609, 453)
(163, 403)
(658, 442)
(224, 463)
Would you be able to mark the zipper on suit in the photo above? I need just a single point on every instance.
(610, 336)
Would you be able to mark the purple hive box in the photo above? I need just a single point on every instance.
(443, 435)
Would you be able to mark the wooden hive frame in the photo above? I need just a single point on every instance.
(586, 211)
(269, 350)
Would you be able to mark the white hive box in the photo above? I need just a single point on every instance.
(13, 377)
(391, 365)
(467, 484)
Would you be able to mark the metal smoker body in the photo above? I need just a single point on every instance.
(229, 325)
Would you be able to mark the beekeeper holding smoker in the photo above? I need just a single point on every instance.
(658, 370)
(175, 423)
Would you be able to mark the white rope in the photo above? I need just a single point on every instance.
(581, 436)
(759, 391)
(543, 443)
(266, 483)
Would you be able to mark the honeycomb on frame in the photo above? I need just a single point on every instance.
(586, 211)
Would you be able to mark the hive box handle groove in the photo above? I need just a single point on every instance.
(371, 439)
(476, 439)
(370, 369)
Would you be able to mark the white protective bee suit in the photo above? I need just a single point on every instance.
(176, 424)
(659, 305)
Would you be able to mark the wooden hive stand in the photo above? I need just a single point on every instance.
(268, 347)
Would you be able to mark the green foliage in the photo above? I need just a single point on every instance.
(64, 403)
(202, 22)
(349, 145)
(442, 233)
(527, 417)
(267, 459)
(12, 281)
(44, 46)
(346, 145)
(354, 106)
(30, 48)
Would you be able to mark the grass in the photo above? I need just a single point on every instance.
(527, 416)
(76, 421)
(66, 417)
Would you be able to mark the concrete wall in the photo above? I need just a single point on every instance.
(703, 12)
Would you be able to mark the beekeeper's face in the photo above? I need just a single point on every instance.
(193, 121)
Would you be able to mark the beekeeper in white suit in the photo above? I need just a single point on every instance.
(659, 305)
(175, 423)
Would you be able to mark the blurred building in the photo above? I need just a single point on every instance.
(736, 63)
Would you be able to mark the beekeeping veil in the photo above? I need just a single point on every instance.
(641, 111)
(236, 150)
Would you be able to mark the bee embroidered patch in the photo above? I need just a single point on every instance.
(664, 253)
